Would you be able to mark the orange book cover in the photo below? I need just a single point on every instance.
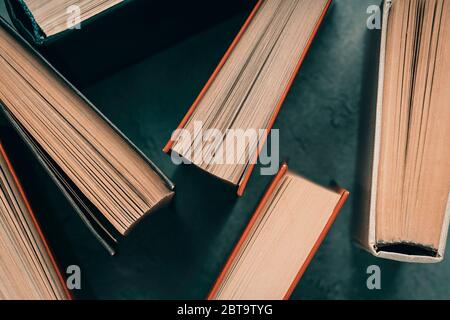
(35, 222)
(344, 195)
(246, 177)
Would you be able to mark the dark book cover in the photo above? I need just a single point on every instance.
(121, 35)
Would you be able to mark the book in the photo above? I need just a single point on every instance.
(280, 240)
(111, 184)
(87, 40)
(407, 207)
(49, 18)
(247, 89)
(28, 270)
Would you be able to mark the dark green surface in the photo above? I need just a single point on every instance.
(179, 251)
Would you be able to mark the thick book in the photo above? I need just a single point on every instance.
(112, 33)
(27, 266)
(110, 183)
(406, 189)
(280, 240)
(247, 89)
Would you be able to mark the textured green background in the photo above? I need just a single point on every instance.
(179, 251)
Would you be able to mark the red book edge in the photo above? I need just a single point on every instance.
(244, 180)
(270, 189)
(35, 222)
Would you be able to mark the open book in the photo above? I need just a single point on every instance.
(92, 162)
(408, 212)
(280, 240)
(27, 268)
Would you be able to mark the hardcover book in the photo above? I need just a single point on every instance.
(28, 270)
(110, 183)
(280, 240)
(248, 87)
(407, 208)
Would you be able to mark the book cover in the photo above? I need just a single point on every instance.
(121, 35)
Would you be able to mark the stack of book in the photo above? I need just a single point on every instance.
(112, 185)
